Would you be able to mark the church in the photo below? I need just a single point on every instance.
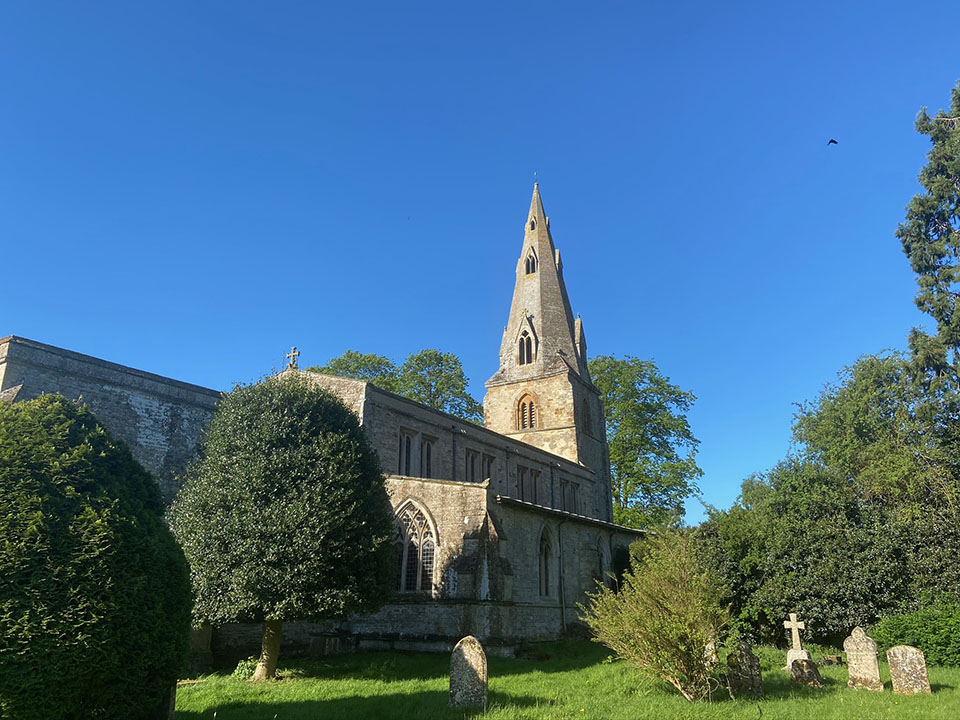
(501, 529)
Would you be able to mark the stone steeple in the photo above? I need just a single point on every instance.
(540, 308)
(542, 393)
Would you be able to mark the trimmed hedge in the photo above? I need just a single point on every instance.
(935, 630)
(94, 591)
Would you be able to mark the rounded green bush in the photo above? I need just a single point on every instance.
(935, 630)
(94, 591)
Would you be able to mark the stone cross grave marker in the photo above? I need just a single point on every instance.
(468, 674)
(796, 652)
(862, 668)
(908, 670)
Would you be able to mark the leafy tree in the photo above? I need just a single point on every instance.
(431, 377)
(930, 236)
(285, 516)
(652, 449)
(436, 379)
(862, 522)
(94, 592)
(665, 613)
(361, 366)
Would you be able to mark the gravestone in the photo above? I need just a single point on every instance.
(805, 672)
(862, 668)
(908, 670)
(468, 674)
(796, 651)
(743, 672)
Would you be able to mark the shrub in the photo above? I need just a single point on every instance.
(285, 515)
(935, 630)
(94, 592)
(664, 616)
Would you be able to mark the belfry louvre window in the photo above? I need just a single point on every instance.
(525, 349)
(530, 264)
(526, 413)
(416, 551)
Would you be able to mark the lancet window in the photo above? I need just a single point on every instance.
(416, 550)
(526, 413)
(546, 561)
(525, 348)
(530, 265)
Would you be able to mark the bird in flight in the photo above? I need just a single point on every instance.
(831, 141)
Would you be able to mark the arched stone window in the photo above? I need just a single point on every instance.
(526, 413)
(525, 349)
(416, 549)
(533, 224)
(530, 265)
(546, 564)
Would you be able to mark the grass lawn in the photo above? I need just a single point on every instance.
(555, 680)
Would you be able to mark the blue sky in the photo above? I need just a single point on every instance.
(190, 188)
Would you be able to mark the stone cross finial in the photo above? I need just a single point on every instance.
(292, 357)
(795, 627)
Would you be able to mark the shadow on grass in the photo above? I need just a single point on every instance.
(423, 705)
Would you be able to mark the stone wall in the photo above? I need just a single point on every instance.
(161, 420)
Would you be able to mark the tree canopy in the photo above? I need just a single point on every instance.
(94, 592)
(653, 465)
(930, 236)
(431, 377)
(285, 515)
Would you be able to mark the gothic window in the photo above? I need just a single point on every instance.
(526, 413)
(486, 467)
(416, 550)
(405, 453)
(546, 560)
(525, 348)
(533, 224)
(530, 264)
(473, 464)
(426, 458)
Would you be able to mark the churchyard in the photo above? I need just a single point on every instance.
(552, 680)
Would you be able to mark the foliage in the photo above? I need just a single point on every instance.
(285, 515)
(930, 236)
(363, 366)
(860, 523)
(935, 630)
(245, 668)
(652, 450)
(664, 615)
(94, 592)
(431, 377)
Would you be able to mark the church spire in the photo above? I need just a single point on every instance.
(540, 337)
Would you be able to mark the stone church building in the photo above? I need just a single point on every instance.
(501, 529)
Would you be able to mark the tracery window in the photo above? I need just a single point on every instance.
(530, 265)
(416, 550)
(526, 413)
(525, 349)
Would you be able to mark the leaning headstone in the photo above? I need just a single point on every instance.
(805, 672)
(743, 672)
(796, 651)
(908, 670)
(862, 668)
(468, 674)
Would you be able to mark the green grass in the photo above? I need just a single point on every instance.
(557, 680)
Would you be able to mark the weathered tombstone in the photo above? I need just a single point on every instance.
(743, 672)
(468, 674)
(908, 670)
(805, 672)
(862, 668)
(796, 651)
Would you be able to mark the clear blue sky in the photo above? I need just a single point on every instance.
(190, 188)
